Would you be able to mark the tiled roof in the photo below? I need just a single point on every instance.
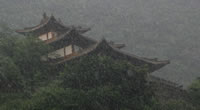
(153, 64)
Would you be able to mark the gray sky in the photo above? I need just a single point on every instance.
(166, 29)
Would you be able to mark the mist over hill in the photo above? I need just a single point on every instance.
(166, 29)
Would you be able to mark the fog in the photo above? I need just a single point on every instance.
(165, 29)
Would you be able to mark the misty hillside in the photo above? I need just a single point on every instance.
(166, 29)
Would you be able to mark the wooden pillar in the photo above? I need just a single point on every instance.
(53, 34)
(47, 35)
(73, 50)
(65, 52)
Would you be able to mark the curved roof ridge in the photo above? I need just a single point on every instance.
(140, 58)
(27, 29)
(47, 20)
(62, 36)
(164, 81)
(43, 22)
(154, 64)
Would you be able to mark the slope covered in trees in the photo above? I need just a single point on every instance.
(92, 83)
(195, 92)
(89, 83)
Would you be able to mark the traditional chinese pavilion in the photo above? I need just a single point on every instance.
(69, 43)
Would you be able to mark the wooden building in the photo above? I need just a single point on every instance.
(69, 43)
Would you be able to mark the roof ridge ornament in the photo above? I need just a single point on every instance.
(103, 39)
(45, 15)
(52, 17)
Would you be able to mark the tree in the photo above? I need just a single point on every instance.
(89, 83)
(177, 105)
(21, 67)
(95, 83)
(194, 91)
(10, 77)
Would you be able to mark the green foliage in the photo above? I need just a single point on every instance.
(194, 91)
(94, 71)
(177, 105)
(10, 76)
(55, 98)
(21, 67)
(93, 83)
(89, 83)
(107, 83)
(172, 104)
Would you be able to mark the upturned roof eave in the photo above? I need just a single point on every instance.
(44, 22)
(154, 65)
(69, 36)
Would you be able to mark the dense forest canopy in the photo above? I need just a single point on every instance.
(195, 92)
(167, 29)
(93, 82)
